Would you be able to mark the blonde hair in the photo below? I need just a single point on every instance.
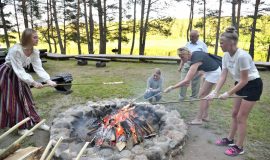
(27, 36)
(183, 50)
(230, 34)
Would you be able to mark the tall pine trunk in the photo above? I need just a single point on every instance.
(86, 25)
(190, 18)
(101, 28)
(218, 26)
(146, 25)
(52, 29)
(120, 28)
(105, 25)
(24, 11)
(251, 47)
(268, 54)
(57, 28)
(141, 51)
(31, 14)
(204, 19)
(2, 5)
(48, 26)
(78, 28)
(91, 27)
(134, 28)
(238, 16)
(65, 35)
(234, 2)
(16, 18)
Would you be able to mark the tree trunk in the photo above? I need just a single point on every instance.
(146, 25)
(190, 18)
(234, 2)
(78, 28)
(134, 28)
(238, 16)
(268, 54)
(31, 14)
(141, 51)
(105, 26)
(57, 28)
(204, 19)
(24, 10)
(2, 5)
(218, 27)
(16, 18)
(52, 29)
(251, 48)
(91, 26)
(65, 35)
(86, 25)
(48, 26)
(101, 27)
(120, 28)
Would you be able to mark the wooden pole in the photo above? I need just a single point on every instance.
(82, 150)
(197, 100)
(46, 150)
(54, 149)
(15, 145)
(14, 128)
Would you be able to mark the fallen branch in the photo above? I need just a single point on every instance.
(15, 145)
(14, 128)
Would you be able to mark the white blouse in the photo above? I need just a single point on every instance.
(17, 59)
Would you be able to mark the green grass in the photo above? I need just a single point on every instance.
(50, 103)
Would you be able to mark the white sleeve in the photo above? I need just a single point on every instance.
(37, 66)
(224, 61)
(16, 63)
(244, 62)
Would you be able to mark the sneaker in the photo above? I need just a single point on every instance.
(234, 151)
(24, 131)
(225, 142)
(44, 127)
(181, 98)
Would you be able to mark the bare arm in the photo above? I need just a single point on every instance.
(243, 81)
(221, 80)
(191, 73)
(180, 65)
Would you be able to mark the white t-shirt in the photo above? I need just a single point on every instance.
(198, 46)
(17, 59)
(240, 61)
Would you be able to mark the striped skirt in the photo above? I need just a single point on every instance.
(16, 100)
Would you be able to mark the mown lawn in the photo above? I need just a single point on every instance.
(134, 76)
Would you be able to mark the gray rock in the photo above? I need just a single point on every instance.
(137, 150)
(140, 157)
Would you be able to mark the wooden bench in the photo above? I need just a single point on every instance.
(101, 62)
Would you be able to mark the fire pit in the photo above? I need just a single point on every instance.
(118, 130)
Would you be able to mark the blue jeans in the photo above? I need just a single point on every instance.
(149, 94)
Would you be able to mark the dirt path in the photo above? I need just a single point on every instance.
(201, 146)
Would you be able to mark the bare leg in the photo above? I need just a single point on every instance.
(245, 108)
(205, 90)
(235, 110)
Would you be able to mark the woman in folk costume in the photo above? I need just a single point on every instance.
(16, 100)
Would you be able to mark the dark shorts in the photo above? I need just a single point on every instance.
(253, 90)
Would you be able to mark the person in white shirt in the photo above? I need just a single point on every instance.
(194, 45)
(248, 83)
(16, 97)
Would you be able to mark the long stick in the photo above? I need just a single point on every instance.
(81, 84)
(197, 100)
(46, 150)
(54, 148)
(14, 127)
(82, 150)
(15, 145)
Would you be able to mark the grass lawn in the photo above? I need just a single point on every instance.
(50, 103)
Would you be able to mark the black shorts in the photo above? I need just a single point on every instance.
(253, 90)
